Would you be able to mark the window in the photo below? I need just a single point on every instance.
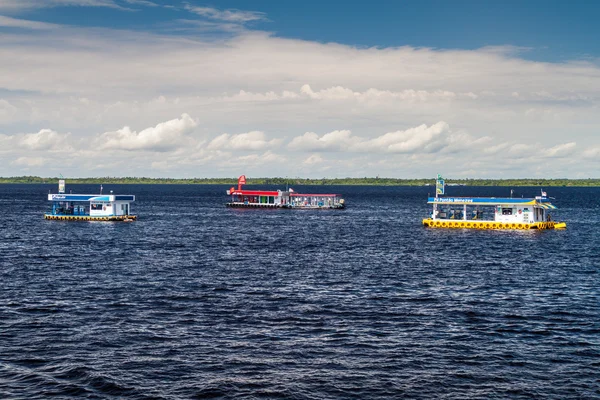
(96, 206)
(507, 211)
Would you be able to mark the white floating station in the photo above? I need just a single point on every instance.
(490, 212)
(90, 207)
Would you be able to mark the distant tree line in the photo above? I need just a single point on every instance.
(305, 181)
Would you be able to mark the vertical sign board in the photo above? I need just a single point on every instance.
(439, 185)
(241, 181)
(61, 186)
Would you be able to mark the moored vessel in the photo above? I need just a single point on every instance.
(281, 198)
(490, 212)
(90, 207)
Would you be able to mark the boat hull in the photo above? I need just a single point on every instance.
(493, 225)
(122, 218)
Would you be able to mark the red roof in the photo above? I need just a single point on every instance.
(273, 193)
(313, 195)
(254, 193)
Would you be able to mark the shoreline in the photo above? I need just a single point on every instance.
(590, 182)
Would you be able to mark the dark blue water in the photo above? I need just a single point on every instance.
(195, 300)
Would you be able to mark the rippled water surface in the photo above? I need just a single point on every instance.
(195, 300)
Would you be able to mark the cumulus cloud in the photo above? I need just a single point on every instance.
(6, 109)
(561, 150)
(358, 104)
(163, 137)
(332, 141)
(530, 151)
(373, 94)
(29, 161)
(313, 159)
(593, 153)
(254, 140)
(422, 138)
(45, 139)
(340, 93)
(267, 157)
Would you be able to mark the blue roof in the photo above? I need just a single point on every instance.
(492, 201)
(90, 197)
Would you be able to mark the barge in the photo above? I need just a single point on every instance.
(281, 199)
(491, 212)
(90, 207)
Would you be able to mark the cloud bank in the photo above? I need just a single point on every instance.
(111, 96)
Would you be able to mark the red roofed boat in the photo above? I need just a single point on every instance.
(281, 199)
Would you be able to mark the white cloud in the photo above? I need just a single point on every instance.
(372, 94)
(332, 141)
(161, 165)
(593, 153)
(165, 136)
(254, 140)
(146, 3)
(6, 109)
(29, 161)
(87, 81)
(267, 157)
(202, 26)
(9, 22)
(45, 139)
(313, 159)
(422, 138)
(231, 15)
(561, 150)
(17, 5)
(410, 140)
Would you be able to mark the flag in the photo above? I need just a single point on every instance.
(291, 190)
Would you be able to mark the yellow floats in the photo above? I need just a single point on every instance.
(460, 224)
(124, 218)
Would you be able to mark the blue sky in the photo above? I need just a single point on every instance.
(388, 88)
(551, 30)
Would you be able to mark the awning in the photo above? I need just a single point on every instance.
(547, 206)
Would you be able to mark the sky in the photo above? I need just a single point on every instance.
(409, 89)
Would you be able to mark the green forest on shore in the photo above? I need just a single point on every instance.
(302, 181)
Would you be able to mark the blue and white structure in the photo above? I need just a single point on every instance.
(90, 207)
(491, 212)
